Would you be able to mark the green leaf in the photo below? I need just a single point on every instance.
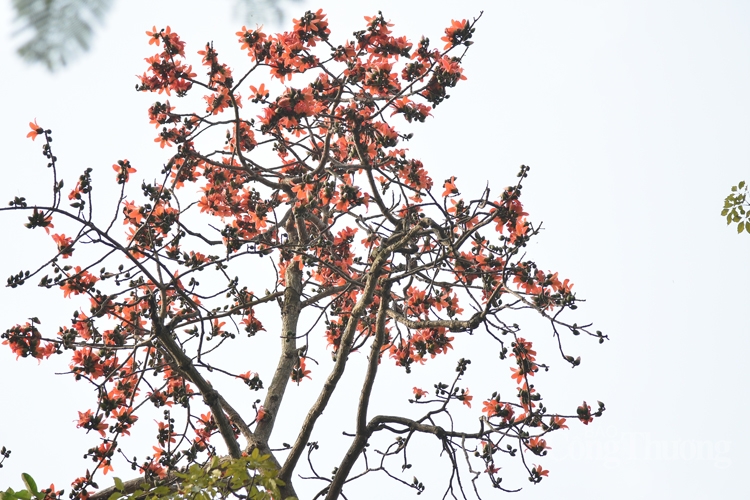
(119, 486)
(30, 484)
(160, 490)
(740, 227)
(8, 494)
(741, 184)
(115, 495)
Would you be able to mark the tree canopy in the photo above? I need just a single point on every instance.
(290, 199)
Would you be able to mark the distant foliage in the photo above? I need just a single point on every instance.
(737, 207)
(57, 32)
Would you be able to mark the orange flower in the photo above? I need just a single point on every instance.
(80, 282)
(125, 419)
(519, 229)
(458, 32)
(491, 469)
(260, 93)
(156, 469)
(450, 187)
(35, 130)
(155, 36)
(518, 374)
(537, 445)
(123, 170)
(465, 398)
(90, 421)
(300, 372)
(261, 414)
(64, 245)
(419, 393)
(311, 22)
(494, 408)
(584, 414)
(538, 471)
(558, 423)
(132, 213)
(76, 193)
(491, 408)
(88, 363)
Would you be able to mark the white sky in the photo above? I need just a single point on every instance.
(635, 119)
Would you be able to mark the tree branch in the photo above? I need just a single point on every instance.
(183, 365)
(360, 440)
(289, 317)
(380, 258)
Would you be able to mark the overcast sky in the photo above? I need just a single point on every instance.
(635, 120)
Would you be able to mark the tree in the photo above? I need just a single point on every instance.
(736, 206)
(358, 246)
(62, 29)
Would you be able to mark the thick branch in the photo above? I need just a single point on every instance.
(288, 357)
(454, 325)
(183, 365)
(380, 421)
(323, 294)
(131, 486)
(360, 439)
(380, 258)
